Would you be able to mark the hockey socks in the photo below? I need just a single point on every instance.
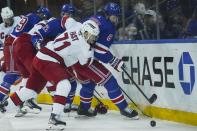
(86, 94)
(115, 94)
(8, 80)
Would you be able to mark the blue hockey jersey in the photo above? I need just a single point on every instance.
(51, 29)
(105, 40)
(26, 23)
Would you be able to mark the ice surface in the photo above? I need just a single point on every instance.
(111, 121)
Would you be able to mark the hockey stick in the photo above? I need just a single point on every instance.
(98, 94)
(134, 102)
(152, 99)
(98, 99)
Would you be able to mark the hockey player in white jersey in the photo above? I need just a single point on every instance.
(9, 22)
(50, 64)
(23, 53)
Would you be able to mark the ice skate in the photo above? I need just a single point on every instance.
(89, 112)
(55, 123)
(2, 107)
(3, 104)
(30, 106)
(130, 113)
(20, 112)
(70, 107)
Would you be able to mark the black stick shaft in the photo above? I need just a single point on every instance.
(98, 94)
(136, 85)
(133, 102)
(98, 99)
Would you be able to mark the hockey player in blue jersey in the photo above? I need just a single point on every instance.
(56, 26)
(50, 31)
(25, 24)
(97, 73)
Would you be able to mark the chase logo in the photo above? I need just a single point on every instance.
(186, 73)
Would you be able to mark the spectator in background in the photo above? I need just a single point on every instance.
(131, 32)
(149, 30)
(136, 24)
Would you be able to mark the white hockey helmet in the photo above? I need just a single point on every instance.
(6, 13)
(90, 31)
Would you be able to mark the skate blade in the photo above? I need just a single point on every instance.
(83, 117)
(20, 114)
(29, 110)
(133, 118)
(52, 127)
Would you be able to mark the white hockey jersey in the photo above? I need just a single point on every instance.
(70, 46)
(5, 31)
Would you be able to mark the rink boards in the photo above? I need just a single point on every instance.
(167, 68)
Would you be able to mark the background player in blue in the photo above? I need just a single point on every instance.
(50, 31)
(56, 26)
(27, 22)
(106, 24)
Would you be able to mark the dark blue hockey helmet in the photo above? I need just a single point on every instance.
(45, 12)
(68, 8)
(112, 9)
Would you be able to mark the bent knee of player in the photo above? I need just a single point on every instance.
(26, 94)
(111, 84)
(63, 88)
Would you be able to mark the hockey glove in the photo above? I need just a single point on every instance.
(36, 41)
(117, 64)
(102, 109)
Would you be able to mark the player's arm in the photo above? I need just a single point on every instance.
(68, 22)
(43, 33)
(103, 53)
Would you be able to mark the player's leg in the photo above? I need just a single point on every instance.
(24, 53)
(55, 73)
(11, 76)
(59, 100)
(86, 95)
(34, 85)
(6, 51)
(117, 97)
(8, 80)
(85, 75)
(101, 75)
(70, 106)
(69, 101)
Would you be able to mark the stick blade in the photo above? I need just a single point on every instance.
(153, 98)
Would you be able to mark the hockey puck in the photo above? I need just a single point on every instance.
(153, 123)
